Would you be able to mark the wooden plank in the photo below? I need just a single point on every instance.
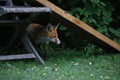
(12, 22)
(14, 9)
(30, 48)
(18, 56)
(74, 23)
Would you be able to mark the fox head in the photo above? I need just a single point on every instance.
(51, 33)
(42, 34)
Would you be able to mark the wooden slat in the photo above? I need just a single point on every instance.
(18, 56)
(30, 48)
(14, 9)
(90, 33)
(17, 9)
(12, 22)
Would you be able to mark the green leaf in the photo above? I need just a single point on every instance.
(77, 16)
(62, 28)
(84, 19)
(79, 9)
(102, 29)
(107, 19)
(114, 32)
(95, 1)
(107, 13)
(103, 4)
(82, 11)
(86, 14)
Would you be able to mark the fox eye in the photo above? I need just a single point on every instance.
(54, 36)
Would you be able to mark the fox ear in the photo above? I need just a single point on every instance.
(57, 25)
(49, 27)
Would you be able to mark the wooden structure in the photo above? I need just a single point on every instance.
(58, 14)
(20, 26)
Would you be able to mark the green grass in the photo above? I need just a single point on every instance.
(64, 65)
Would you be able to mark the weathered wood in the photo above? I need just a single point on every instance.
(12, 22)
(83, 29)
(5, 10)
(9, 3)
(3, 0)
(20, 30)
(30, 48)
(18, 56)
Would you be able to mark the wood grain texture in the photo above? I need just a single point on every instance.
(18, 56)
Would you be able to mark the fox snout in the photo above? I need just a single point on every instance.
(55, 40)
(58, 41)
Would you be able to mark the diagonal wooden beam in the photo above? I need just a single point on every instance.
(84, 29)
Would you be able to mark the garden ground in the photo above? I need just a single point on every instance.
(64, 65)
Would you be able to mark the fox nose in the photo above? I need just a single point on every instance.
(58, 41)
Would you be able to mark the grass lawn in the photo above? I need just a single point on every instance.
(64, 65)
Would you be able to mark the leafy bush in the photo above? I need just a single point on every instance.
(96, 13)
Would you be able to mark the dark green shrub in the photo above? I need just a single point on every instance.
(96, 13)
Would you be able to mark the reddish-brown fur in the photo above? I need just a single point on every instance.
(43, 34)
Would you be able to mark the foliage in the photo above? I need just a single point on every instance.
(63, 65)
(96, 13)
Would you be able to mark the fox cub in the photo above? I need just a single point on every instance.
(43, 34)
